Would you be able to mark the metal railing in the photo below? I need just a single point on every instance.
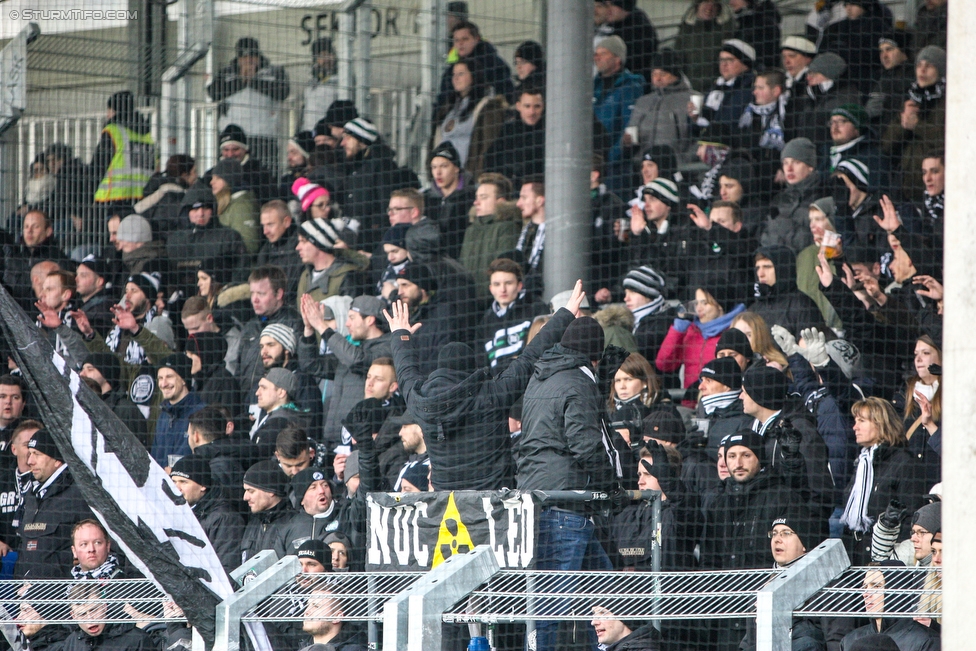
(893, 591)
(141, 594)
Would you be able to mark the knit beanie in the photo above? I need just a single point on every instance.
(149, 283)
(134, 228)
(858, 173)
(198, 196)
(766, 386)
(317, 550)
(108, 365)
(196, 469)
(340, 112)
(531, 52)
(827, 206)
(800, 149)
(584, 335)
(366, 305)
(323, 44)
(740, 50)
(179, 363)
(267, 476)
(416, 474)
(667, 60)
(305, 141)
(229, 169)
(98, 266)
(43, 442)
(829, 64)
(664, 189)
(929, 517)
(281, 333)
(447, 151)
(645, 281)
(419, 275)
(283, 379)
(306, 478)
(803, 525)
(247, 46)
(724, 370)
(736, 341)
(397, 235)
(664, 425)
(616, 46)
(233, 135)
(362, 130)
(934, 55)
(320, 233)
(748, 439)
(854, 113)
(307, 192)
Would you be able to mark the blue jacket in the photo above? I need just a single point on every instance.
(171, 428)
(613, 107)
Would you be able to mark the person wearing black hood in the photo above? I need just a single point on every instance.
(855, 38)
(418, 290)
(886, 99)
(106, 370)
(251, 91)
(254, 175)
(462, 410)
(778, 300)
(205, 243)
(125, 157)
(297, 155)
(530, 66)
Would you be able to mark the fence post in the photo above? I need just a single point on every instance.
(230, 611)
(777, 600)
(412, 620)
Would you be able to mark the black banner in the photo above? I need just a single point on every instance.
(131, 495)
(419, 531)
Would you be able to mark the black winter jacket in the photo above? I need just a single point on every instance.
(562, 442)
(45, 529)
(223, 525)
(264, 530)
(216, 248)
(907, 634)
(465, 417)
(282, 254)
(450, 213)
(783, 304)
(114, 637)
(633, 532)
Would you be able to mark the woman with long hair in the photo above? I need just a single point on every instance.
(472, 117)
(886, 471)
(922, 410)
(761, 339)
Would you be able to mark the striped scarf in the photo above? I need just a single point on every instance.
(856, 516)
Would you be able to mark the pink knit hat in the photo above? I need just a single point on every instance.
(307, 192)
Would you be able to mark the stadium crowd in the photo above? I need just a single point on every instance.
(757, 337)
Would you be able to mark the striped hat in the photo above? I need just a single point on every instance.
(307, 192)
(858, 173)
(664, 189)
(283, 334)
(320, 233)
(645, 281)
(362, 130)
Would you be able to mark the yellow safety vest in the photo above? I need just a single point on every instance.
(131, 168)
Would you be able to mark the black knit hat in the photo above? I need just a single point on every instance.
(229, 169)
(43, 442)
(724, 370)
(767, 386)
(584, 335)
(447, 151)
(98, 266)
(316, 550)
(416, 474)
(179, 363)
(531, 52)
(397, 235)
(667, 60)
(736, 341)
(803, 524)
(123, 103)
(267, 476)
(664, 425)
(749, 439)
(196, 469)
(457, 357)
(646, 281)
(340, 112)
(248, 46)
(321, 128)
(663, 156)
(419, 275)
(322, 44)
(306, 478)
(108, 365)
(234, 135)
(198, 196)
(149, 282)
(305, 141)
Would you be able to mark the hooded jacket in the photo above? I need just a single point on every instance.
(519, 150)
(226, 456)
(486, 237)
(661, 118)
(562, 442)
(253, 103)
(700, 41)
(223, 525)
(365, 189)
(212, 246)
(464, 416)
(783, 304)
(160, 204)
(264, 530)
(789, 221)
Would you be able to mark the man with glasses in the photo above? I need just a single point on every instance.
(850, 139)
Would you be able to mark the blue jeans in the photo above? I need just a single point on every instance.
(566, 543)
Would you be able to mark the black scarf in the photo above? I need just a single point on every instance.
(927, 97)
(106, 570)
(935, 206)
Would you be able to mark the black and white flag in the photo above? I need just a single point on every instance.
(131, 495)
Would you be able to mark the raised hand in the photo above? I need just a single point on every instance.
(823, 269)
(81, 320)
(785, 340)
(931, 288)
(891, 221)
(573, 305)
(400, 318)
(815, 350)
(699, 217)
(48, 317)
(124, 318)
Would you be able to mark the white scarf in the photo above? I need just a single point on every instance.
(927, 390)
(856, 512)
